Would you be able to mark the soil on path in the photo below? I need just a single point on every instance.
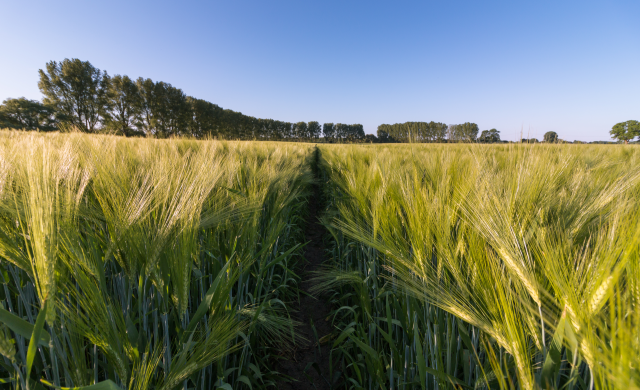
(310, 310)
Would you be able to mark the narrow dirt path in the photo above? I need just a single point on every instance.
(310, 311)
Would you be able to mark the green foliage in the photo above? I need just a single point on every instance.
(550, 137)
(77, 90)
(483, 267)
(24, 114)
(124, 106)
(412, 132)
(301, 130)
(625, 131)
(314, 130)
(489, 136)
(84, 98)
(371, 139)
(147, 264)
(466, 132)
(328, 131)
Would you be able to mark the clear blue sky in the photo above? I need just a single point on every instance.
(567, 66)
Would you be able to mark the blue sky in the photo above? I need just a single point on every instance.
(567, 66)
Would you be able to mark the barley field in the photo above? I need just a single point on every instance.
(166, 264)
(147, 264)
(474, 266)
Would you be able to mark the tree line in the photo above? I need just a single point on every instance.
(79, 95)
(435, 132)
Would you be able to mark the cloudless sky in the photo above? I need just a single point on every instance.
(567, 66)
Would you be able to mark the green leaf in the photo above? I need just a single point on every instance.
(208, 298)
(552, 362)
(35, 336)
(22, 327)
(244, 379)
(422, 365)
(365, 348)
(104, 385)
(446, 377)
(256, 370)
(345, 333)
(283, 255)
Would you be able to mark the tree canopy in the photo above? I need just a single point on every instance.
(430, 132)
(78, 94)
(489, 136)
(466, 132)
(27, 114)
(77, 90)
(412, 132)
(625, 131)
(550, 137)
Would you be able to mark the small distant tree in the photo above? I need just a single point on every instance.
(550, 137)
(625, 131)
(489, 136)
(27, 114)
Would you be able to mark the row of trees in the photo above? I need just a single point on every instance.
(435, 132)
(78, 94)
(440, 132)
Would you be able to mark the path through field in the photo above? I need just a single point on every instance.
(311, 311)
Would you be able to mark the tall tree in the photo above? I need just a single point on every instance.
(314, 129)
(27, 114)
(384, 134)
(438, 131)
(341, 131)
(77, 90)
(164, 109)
(328, 132)
(550, 137)
(355, 133)
(146, 104)
(124, 106)
(171, 110)
(204, 118)
(625, 131)
(301, 130)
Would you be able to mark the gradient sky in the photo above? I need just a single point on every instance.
(567, 66)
